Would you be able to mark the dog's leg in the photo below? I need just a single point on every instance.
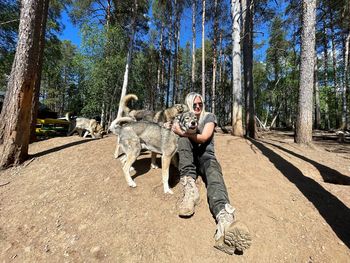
(122, 159)
(86, 133)
(165, 173)
(71, 132)
(154, 161)
(132, 151)
(126, 169)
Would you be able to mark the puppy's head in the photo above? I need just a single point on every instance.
(188, 122)
(180, 108)
(99, 132)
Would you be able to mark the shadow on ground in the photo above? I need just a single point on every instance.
(336, 214)
(328, 174)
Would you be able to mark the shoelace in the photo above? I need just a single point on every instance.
(224, 217)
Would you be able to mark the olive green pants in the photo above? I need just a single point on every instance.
(195, 158)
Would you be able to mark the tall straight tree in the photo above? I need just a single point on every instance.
(247, 10)
(346, 40)
(215, 40)
(237, 125)
(203, 49)
(194, 11)
(35, 103)
(129, 56)
(15, 118)
(303, 133)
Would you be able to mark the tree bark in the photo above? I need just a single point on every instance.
(36, 93)
(344, 118)
(237, 124)
(325, 73)
(335, 69)
(15, 118)
(248, 67)
(307, 60)
(317, 97)
(159, 69)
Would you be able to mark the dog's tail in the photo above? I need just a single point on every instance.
(125, 100)
(117, 124)
(67, 116)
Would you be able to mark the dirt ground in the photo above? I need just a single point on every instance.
(70, 203)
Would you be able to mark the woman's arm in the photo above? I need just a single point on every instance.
(197, 138)
(205, 135)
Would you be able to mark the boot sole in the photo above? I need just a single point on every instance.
(237, 236)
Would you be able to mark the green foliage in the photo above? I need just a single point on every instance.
(9, 21)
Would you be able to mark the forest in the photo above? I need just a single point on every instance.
(248, 58)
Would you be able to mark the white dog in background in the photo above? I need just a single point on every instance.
(89, 126)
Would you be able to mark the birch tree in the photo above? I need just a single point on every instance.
(237, 125)
(307, 59)
(128, 58)
(15, 118)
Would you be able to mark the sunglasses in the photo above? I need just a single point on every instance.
(199, 105)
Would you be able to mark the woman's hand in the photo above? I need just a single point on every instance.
(177, 130)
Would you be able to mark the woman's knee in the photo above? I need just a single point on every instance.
(184, 144)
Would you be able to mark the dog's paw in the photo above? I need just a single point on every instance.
(168, 191)
(154, 166)
(132, 184)
(132, 171)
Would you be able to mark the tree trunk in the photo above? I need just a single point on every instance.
(220, 58)
(169, 68)
(335, 77)
(15, 118)
(203, 49)
(307, 60)
(317, 97)
(159, 70)
(194, 9)
(325, 73)
(215, 32)
(36, 92)
(176, 32)
(237, 124)
(344, 119)
(248, 67)
(128, 59)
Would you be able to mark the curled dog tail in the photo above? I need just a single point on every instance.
(67, 116)
(125, 100)
(117, 124)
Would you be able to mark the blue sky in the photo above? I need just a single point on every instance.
(72, 33)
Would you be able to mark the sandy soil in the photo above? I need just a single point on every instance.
(70, 203)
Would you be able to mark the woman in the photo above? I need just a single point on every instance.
(196, 154)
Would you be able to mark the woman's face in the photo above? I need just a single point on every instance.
(197, 106)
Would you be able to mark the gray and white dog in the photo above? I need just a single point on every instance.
(159, 117)
(135, 136)
(88, 126)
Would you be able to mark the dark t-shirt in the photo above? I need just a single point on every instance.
(209, 144)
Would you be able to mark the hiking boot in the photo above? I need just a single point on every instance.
(231, 236)
(190, 198)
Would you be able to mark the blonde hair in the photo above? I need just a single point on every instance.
(189, 102)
